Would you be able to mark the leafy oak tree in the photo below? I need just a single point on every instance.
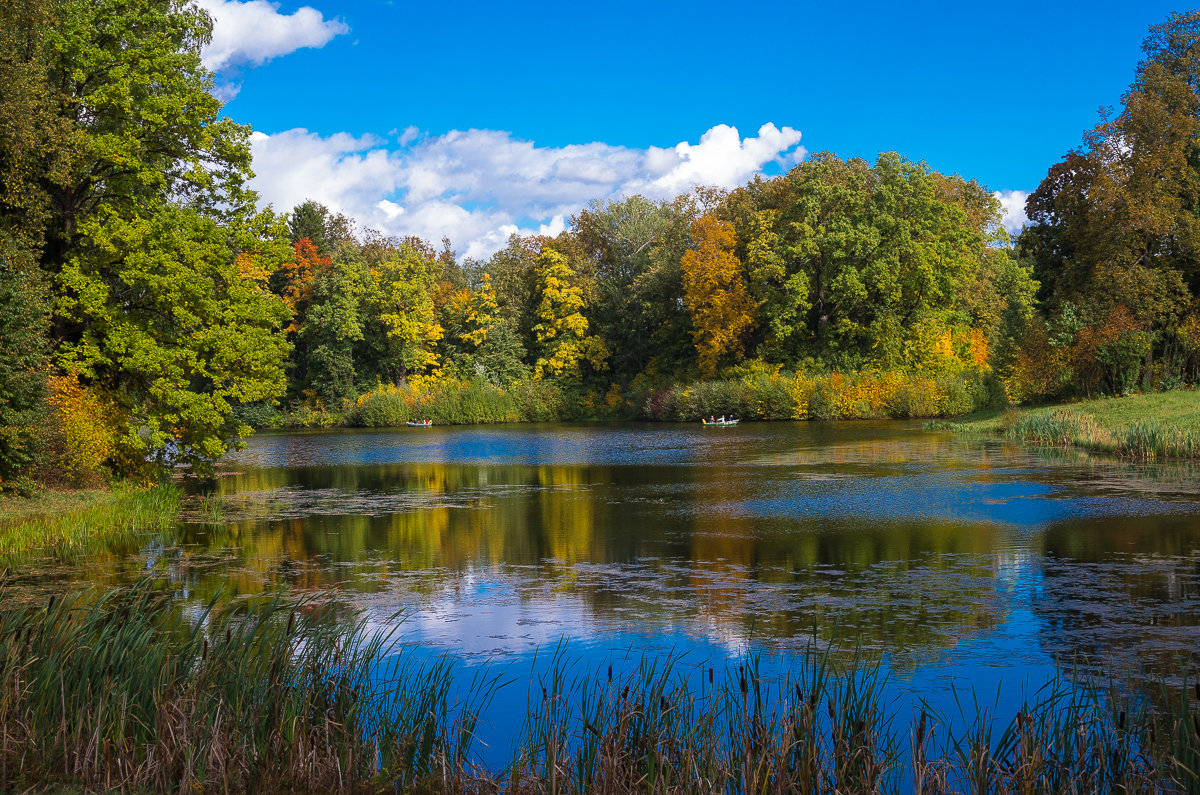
(137, 215)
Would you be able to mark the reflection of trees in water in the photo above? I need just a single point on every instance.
(1123, 595)
(678, 546)
(679, 550)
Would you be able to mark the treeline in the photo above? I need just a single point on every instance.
(151, 312)
(1114, 239)
(836, 266)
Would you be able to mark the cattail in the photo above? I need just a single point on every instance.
(710, 675)
(204, 652)
(1121, 720)
(291, 621)
(610, 672)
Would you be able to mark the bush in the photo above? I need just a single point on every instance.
(538, 401)
(382, 407)
(83, 432)
(473, 402)
(257, 415)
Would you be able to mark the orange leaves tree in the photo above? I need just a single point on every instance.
(716, 293)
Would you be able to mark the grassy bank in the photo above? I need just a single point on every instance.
(1142, 427)
(59, 522)
(129, 691)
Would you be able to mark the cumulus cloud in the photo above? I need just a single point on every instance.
(254, 32)
(480, 186)
(1013, 204)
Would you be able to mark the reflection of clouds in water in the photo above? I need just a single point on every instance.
(948, 498)
(903, 610)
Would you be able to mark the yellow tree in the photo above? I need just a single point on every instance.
(402, 302)
(716, 293)
(562, 330)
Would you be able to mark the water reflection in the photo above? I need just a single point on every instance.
(955, 557)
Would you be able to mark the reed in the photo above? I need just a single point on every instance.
(124, 690)
(131, 691)
(127, 513)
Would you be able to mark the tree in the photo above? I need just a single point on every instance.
(326, 231)
(850, 263)
(401, 308)
(635, 267)
(562, 330)
(1114, 226)
(331, 327)
(144, 123)
(168, 325)
(716, 293)
(23, 348)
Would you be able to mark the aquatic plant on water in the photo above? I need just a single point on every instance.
(132, 690)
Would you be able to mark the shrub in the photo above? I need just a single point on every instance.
(82, 434)
(382, 407)
(257, 415)
(538, 401)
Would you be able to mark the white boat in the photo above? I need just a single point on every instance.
(420, 423)
(721, 422)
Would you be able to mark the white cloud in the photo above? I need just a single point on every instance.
(1013, 204)
(480, 186)
(254, 32)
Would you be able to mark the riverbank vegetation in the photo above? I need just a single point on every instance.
(128, 691)
(1141, 427)
(67, 524)
(152, 313)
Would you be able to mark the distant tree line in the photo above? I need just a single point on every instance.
(150, 311)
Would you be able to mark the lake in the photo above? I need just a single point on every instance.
(961, 563)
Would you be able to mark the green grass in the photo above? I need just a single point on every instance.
(74, 522)
(1143, 427)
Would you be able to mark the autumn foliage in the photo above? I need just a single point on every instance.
(716, 293)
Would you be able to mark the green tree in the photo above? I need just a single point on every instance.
(166, 321)
(562, 330)
(23, 347)
(634, 246)
(1114, 224)
(144, 123)
(404, 328)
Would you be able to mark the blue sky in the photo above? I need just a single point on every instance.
(479, 119)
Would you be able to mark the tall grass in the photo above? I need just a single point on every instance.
(124, 690)
(125, 514)
(827, 396)
(1146, 439)
(128, 690)
(459, 403)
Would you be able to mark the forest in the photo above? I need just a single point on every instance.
(153, 311)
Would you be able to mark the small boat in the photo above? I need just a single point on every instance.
(722, 422)
(420, 423)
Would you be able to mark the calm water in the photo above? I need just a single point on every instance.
(958, 561)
